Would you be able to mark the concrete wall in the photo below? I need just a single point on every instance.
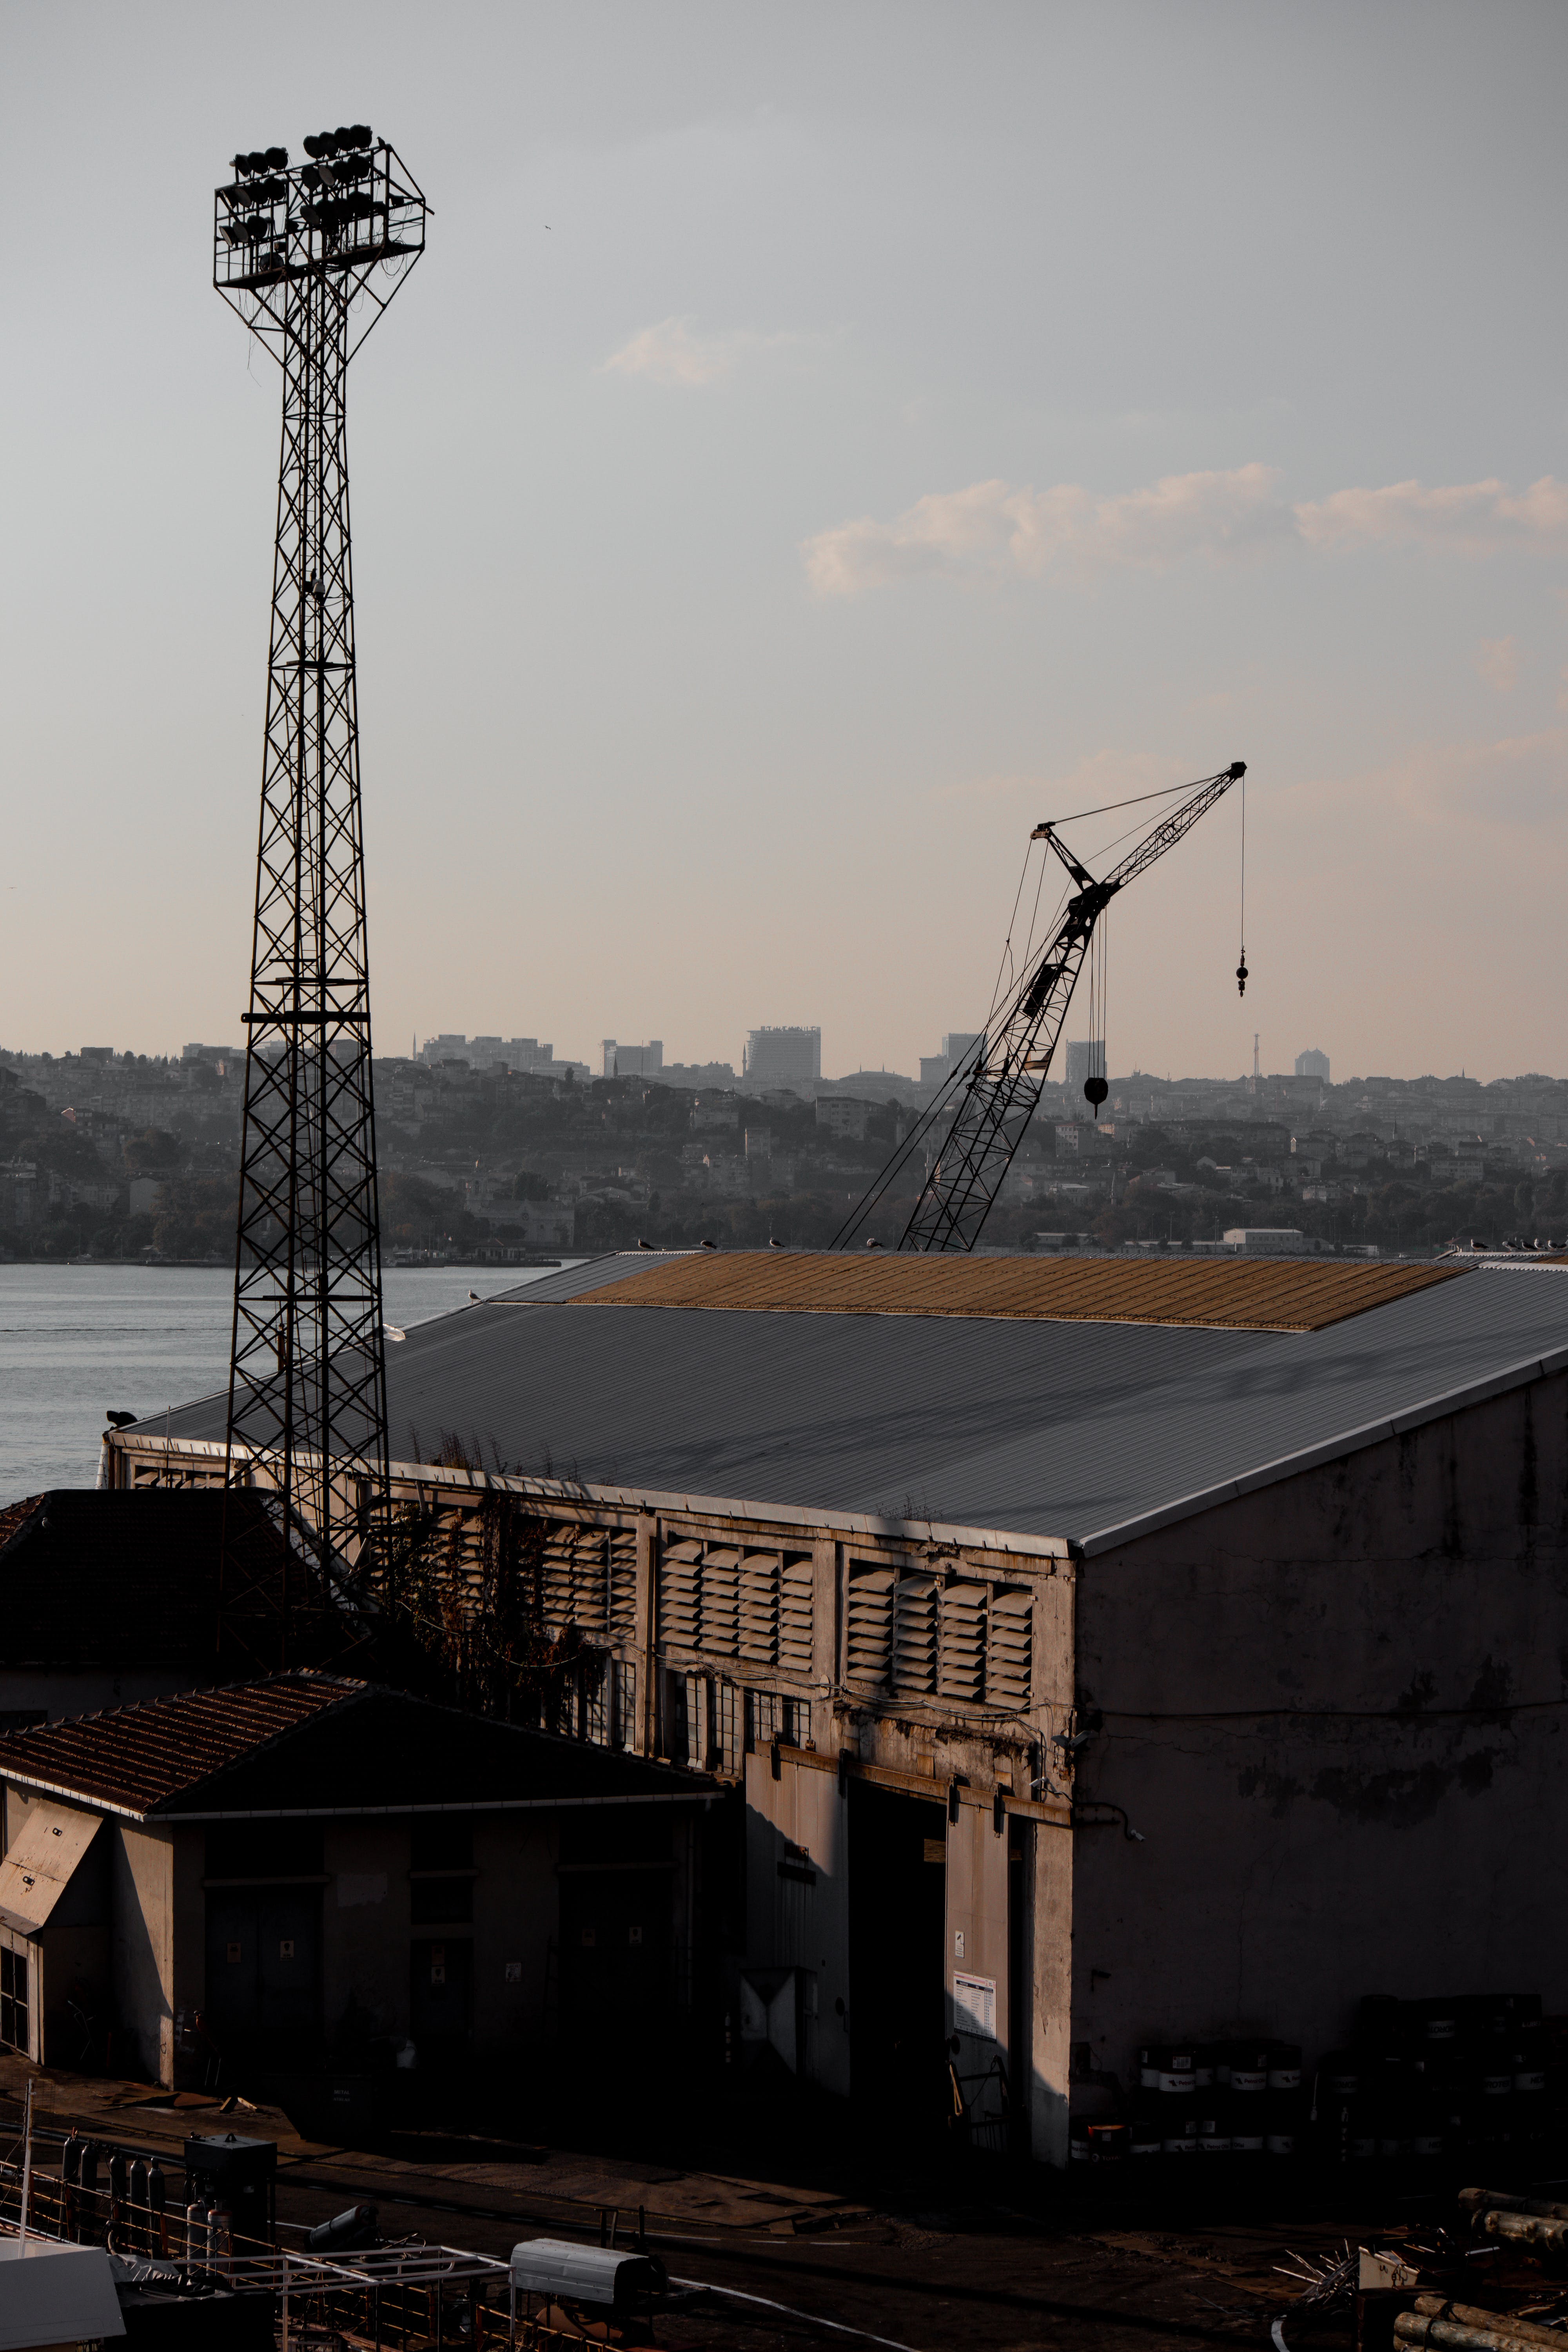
(1336, 1712)
(141, 1948)
(800, 1820)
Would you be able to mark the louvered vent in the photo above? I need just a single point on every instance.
(960, 1650)
(572, 1594)
(679, 1615)
(623, 1584)
(794, 1612)
(914, 1634)
(760, 1606)
(1009, 1654)
(720, 1626)
(869, 1625)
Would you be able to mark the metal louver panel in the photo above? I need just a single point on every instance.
(1009, 1651)
(869, 1625)
(794, 1612)
(760, 1606)
(718, 1626)
(960, 1650)
(680, 1596)
(559, 1574)
(622, 1596)
(914, 1635)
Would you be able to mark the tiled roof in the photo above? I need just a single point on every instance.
(1254, 1295)
(319, 1744)
(138, 1758)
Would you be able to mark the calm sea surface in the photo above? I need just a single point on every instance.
(81, 1341)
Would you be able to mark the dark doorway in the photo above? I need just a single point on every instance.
(898, 1922)
(616, 1956)
(264, 1969)
(441, 2000)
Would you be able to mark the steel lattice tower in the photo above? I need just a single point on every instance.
(309, 257)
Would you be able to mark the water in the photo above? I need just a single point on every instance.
(81, 1341)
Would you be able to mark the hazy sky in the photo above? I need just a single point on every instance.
(819, 441)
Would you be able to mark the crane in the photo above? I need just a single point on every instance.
(987, 1099)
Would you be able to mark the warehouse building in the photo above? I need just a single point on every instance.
(1105, 1651)
(281, 1875)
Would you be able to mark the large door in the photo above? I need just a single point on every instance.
(264, 1971)
(898, 1890)
(615, 1955)
(441, 2000)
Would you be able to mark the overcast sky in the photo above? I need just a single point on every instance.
(820, 442)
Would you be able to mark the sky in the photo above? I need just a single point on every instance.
(817, 445)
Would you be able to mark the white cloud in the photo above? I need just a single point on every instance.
(992, 531)
(676, 352)
(1496, 662)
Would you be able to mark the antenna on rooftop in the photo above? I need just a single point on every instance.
(309, 256)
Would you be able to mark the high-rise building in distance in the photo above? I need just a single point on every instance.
(1312, 1064)
(936, 1068)
(634, 1060)
(1085, 1060)
(777, 1058)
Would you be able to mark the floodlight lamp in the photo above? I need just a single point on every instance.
(361, 135)
(257, 159)
(277, 159)
(315, 145)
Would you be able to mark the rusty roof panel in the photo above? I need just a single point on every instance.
(1227, 1294)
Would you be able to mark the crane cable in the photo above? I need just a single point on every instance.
(1241, 966)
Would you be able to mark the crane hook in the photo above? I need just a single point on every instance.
(1241, 974)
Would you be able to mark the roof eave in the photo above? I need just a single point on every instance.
(652, 1500)
(1329, 1449)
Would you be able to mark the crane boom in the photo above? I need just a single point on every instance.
(987, 1101)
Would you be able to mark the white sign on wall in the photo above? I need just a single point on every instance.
(974, 2005)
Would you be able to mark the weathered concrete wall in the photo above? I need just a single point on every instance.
(801, 1821)
(1336, 1712)
(142, 1883)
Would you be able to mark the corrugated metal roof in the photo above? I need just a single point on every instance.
(313, 1743)
(1278, 1295)
(1063, 1430)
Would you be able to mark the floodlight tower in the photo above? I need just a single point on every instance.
(309, 256)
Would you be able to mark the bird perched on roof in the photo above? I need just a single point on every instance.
(642, 1244)
(473, 1298)
(707, 1245)
(119, 1420)
(773, 1245)
(872, 1243)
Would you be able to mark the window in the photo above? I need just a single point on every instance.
(439, 1844)
(14, 1999)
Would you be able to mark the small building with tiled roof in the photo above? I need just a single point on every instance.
(308, 1870)
(1109, 1652)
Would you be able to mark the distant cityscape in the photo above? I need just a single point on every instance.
(493, 1147)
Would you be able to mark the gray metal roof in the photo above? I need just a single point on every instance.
(1076, 1431)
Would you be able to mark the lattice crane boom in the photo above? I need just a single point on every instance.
(988, 1101)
